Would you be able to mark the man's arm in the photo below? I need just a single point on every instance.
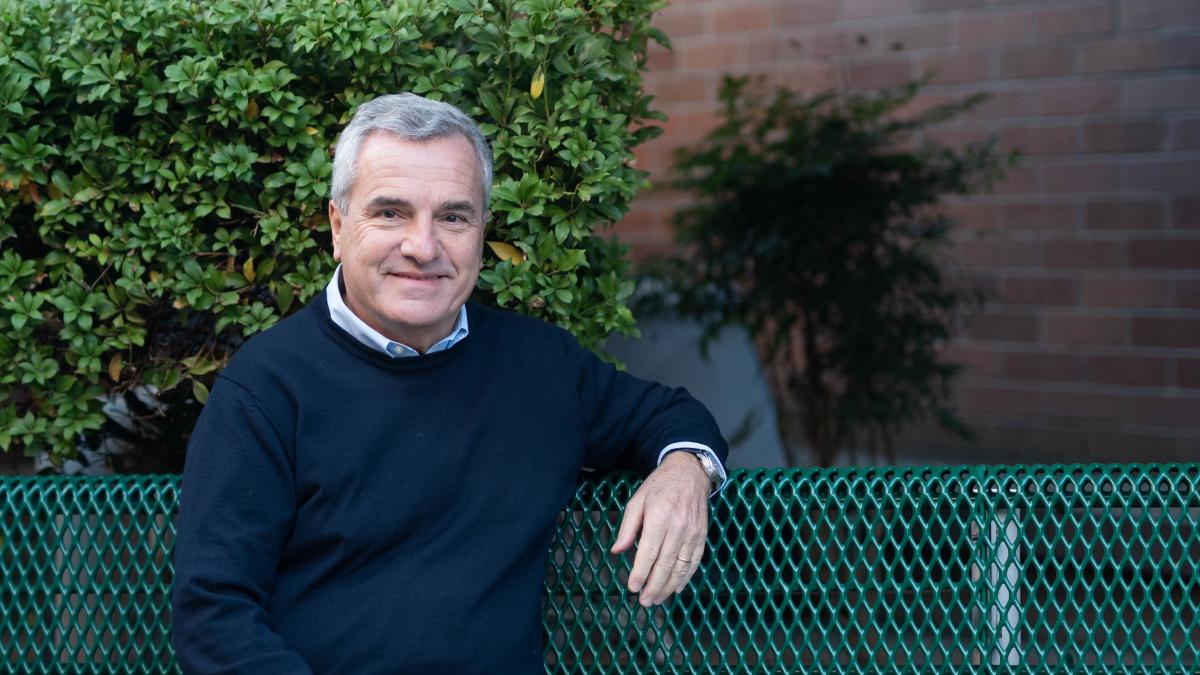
(236, 508)
(632, 420)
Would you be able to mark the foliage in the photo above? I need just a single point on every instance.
(164, 168)
(814, 228)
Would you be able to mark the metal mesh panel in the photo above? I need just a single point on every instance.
(85, 574)
(980, 569)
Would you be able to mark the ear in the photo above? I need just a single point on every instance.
(335, 228)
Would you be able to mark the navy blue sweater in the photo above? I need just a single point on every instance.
(344, 512)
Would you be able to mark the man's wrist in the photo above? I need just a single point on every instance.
(705, 459)
(685, 458)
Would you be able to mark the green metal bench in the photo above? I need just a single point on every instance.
(955, 569)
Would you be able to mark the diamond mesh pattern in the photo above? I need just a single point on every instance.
(980, 569)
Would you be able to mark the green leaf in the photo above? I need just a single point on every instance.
(199, 391)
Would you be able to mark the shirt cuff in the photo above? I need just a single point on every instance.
(697, 448)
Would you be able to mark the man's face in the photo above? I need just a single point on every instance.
(411, 242)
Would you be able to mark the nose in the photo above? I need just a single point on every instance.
(420, 243)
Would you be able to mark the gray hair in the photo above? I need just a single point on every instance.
(410, 117)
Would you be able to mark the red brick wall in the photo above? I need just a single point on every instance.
(1091, 348)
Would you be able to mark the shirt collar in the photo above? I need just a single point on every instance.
(359, 330)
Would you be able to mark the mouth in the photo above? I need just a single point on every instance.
(416, 276)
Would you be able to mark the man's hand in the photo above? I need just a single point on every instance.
(670, 510)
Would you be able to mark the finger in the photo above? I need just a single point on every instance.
(670, 564)
(649, 547)
(696, 556)
(631, 522)
(696, 548)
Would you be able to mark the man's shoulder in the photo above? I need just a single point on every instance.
(509, 325)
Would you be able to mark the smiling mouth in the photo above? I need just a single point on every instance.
(417, 277)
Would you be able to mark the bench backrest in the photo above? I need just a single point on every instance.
(951, 569)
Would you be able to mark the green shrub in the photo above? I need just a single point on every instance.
(164, 169)
(815, 228)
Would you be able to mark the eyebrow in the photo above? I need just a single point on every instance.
(400, 203)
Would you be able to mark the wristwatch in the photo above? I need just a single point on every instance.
(711, 468)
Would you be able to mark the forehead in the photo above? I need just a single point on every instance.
(442, 167)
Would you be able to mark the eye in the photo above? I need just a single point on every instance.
(389, 213)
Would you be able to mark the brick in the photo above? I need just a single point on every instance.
(1142, 15)
(1171, 411)
(769, 50)
(1104, 214)
(977, 361)
(1040, 216)
(1119, 56)
(1026, 62)
(1185, 213)
(1001, 400)
(1082, 405)
(706, 56)
(741, 19)
(679, 88)
(1022, 179)
(1166, 332)
(1126, 292)
(804, 12)
(1083, 254)
(860, 9)
(1081, 177)
(1161, 176)
(1185, 134)
(1131, 371)
(1043, 366)
(1187, 373)
(928, 34)
(1124, 136)
(985, 253)
(1187, 293)
(1089, 98)
(831, 45)
(680, 21)
(1165, 254)
(1040, 140)
(1075, 329)
(993, 29)
(1001, 104)
(1166, 93)
(959, 67)
(969, 215)
(1004, 327)
(1183, 51)
(1076, 21)
(1040, 291)
(876, 74)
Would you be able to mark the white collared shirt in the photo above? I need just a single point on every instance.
(356, 327)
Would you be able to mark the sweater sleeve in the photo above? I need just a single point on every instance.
(236, 509)
(627, 422)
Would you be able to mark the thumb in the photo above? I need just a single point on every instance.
(631, 522)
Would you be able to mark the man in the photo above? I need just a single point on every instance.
(373, 484)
